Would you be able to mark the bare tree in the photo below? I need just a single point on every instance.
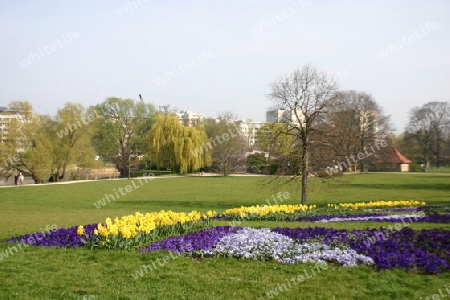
(428, 125)
(305, 93)
(355, 122)
(440, 123)
(227, 145)
(166, 109)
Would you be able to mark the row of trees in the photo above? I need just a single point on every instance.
(426, 139)
(326, 126)
(33, 146)
(122, 132)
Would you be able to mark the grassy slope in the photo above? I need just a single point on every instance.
(41, 273)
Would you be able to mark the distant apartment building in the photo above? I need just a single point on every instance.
(248, 130)
(283, 116)
(369, 123)
(190, 119)
(274, 116)
(7, 117)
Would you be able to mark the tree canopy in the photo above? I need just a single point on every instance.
(177, 147)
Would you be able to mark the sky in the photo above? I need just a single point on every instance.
(216, 56)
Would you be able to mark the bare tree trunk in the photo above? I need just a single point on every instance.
(63, 172)
(304, 173)
(438, 149)
(123, 162)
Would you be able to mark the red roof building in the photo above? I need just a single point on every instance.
(393, 161)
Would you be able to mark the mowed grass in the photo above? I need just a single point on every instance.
(42, 273)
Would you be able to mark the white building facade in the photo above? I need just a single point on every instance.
(190, 119)
(7, 117)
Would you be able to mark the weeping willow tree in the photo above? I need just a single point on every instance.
(172, 145)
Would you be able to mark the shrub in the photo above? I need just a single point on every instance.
(416, 168)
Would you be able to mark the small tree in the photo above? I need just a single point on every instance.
(29, 143)
(305, 94)
(354, 122)
(428, 125)
(226, 144)
(115, 136)
(255, 162)
(72, 132)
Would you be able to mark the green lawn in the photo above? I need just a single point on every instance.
(41, 273)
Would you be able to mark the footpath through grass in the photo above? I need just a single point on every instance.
(42, 273)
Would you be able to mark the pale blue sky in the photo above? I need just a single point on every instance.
(122, 54)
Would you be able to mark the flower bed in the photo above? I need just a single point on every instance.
(379, 204)
(293, 212)
(265, 211)
(420, 250)
(259, 244)
(423, 250)
(191, 234)
(128, 232)
(62, 237)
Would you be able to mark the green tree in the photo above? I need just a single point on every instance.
(177, 147)
(117, 133)
(272, 138)
(255, 162)
(72, 132)
(30, 143)
(37, 159)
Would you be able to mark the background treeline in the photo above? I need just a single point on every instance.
(129, 134)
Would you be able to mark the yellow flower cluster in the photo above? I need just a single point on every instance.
(131, 225)
(80, 230)
(375, 204)
(264, 210)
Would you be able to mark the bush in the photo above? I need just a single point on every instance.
(416, 168)
(255, 162)
(273, 169)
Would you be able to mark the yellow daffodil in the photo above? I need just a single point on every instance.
(265, 210)
(378, 204)
(80, 230)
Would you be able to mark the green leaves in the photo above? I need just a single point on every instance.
(174, 146)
